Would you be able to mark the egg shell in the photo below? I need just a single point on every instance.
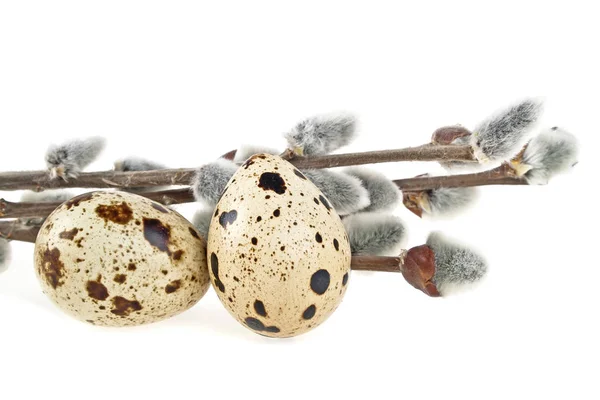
(278, 253)
(118, 259)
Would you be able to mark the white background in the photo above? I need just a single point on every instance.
(184, 82)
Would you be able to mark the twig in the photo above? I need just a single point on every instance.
(40, 180)
(502, 175)
(377, 263)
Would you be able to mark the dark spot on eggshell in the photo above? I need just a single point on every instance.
(177, 255)
(325, 202)
(227, 217)
(277, 213)
(173, 286)
(117, 213)
(255, 324)
(214, 266)
(123, 307)
(157, 234)
(75, 201)
(309, 312)
(160, 208)
(258, 326)
(52, 268)
(194, 233)
(272, 181)
(254, 241)
(96, 290)
(131, 267)
(319, 281)
(68, 234)
(259, 307)
(315, 200)
(336, 244)
(299, 174)
(258, 219)
(120, 278)
(318, 238)
(345, 279)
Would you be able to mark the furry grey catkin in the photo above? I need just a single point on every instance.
(445, 201)
(345, 193)
(47, 196)
(244, 152)
(211, 179)
(503, 135)
(374, 234)
(69, 159)
(456, 267)
(322, 134)
(383, 193)
(137, 164)
(201, 221)
(551, 152)
(5, 254)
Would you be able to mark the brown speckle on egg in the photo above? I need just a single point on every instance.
(173, 286)
(272, 181)
(69, 235)
(123, 307)
(96, 290)
(157, 234)
(117, 213)
(51, 267)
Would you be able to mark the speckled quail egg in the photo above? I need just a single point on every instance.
(278, 253)
(117, 259)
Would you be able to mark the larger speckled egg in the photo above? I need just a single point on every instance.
(117, 259)
(279, 255)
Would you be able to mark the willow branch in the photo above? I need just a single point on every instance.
(40, 180)
(377, 263)
(502, 175)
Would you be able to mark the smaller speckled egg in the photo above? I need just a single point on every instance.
(118, 259)
(279, 255)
